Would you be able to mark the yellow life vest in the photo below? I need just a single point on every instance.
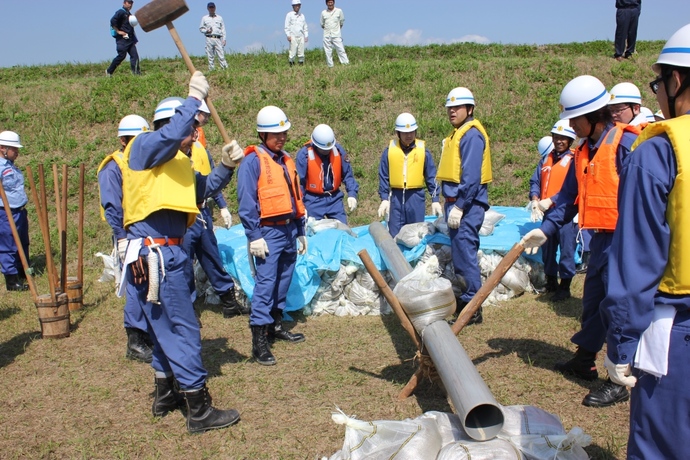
(116, 156)
(450, 166)
(676, 277)
(170, 185)
(406, 171)
(200, 161)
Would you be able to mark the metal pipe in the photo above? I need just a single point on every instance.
(394, 259)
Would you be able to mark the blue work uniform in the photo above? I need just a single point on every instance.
(200, 241)
(110, 187)
(120, 20)
(407, 206)
(659, 407)
(328, 204)
(13, 182)
(566, 237)
(472, 197)
(274, 273)
(172, 324)
(592, 333)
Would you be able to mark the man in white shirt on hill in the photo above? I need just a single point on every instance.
(213, 28)
(297, 33)
(332, 20)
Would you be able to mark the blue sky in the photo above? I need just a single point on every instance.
(48, 31)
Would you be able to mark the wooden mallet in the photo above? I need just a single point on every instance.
(163, 12)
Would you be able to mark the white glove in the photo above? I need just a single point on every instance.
(537, 214)
(232, 154)
(351, 203)
(620, 373)
(301, 245)
(227, 218)
(533, 240)
(122, 249)
(545, 204)
(258, 248)
(384, 207)
(436, 209)
(198, 86)
(126, 36)
(454, 217)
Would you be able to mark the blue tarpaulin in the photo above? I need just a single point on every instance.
(329, 248)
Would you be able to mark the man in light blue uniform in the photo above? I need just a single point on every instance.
(110, 188)
(647, 307)
(13, 182)
(153, 160)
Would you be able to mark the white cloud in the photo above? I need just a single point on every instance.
(412, 37)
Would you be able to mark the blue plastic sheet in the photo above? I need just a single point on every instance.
(329, 248)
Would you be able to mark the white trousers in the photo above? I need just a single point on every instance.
(334, 42)
(215, 46)
(296, 48)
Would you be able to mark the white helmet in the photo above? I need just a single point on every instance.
(459, 96)
(323, 137)
(545, 145)
(204, 107)
(296, 2)
(132, 125)
(659, 115)
(10, 139)
(625, 93)
(133, 21)
(271, 119)
(582, 95)
(166, 108)
(648, 114)
(676, 51)
(405, 123)
(563, 128)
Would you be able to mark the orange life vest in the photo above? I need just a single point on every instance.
(553, 175)
(275, 189)
(315, 177)
(597, 181)
(202, 137)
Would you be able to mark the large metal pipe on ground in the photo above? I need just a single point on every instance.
(480, 414)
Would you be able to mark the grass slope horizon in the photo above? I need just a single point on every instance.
(68, 114)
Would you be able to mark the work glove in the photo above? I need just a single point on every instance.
(227, 218)
(436, 209)
(121, 249)
(301, 245)
(576, 219)
(533, 240)
(537, 214)
(620, 373)
(233, 154)
(454, 217)
(384, 208)
(545, 204)
(258, 248)
(198, 86)
(351, 203)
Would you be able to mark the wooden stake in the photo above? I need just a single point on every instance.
(52, 278)
(80, 243)
(63, 232)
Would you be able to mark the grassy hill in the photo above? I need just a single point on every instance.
(80, 398)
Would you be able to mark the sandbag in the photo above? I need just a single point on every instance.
(411, 235)
(494, 449)
(491, 218)
(316, 226)
(527, 420)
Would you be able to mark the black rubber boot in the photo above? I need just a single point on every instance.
(551, 284)
(606, 395)
(202, 416)
(582, 268)
(166, 397)
(137, 348)
(477, 317)
(14, 283)
(231, 307)
(582, 365)
(563, 291)
(260, 349)
(276, 331)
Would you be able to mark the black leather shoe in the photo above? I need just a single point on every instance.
(476, 318)
(14, 283)
(137, 349)
(277, 332)
(260, 349)
(582, 365)
(606, 395)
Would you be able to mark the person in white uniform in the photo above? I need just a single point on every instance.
(213, 28)
(297, 33)
(332, 20)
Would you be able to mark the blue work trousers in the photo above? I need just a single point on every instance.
(406, 207)
(592, 333)
(123, 47)
(464, 244)
(563, 265)
(274, 273)
(172, 325)
(325, 206)
(10, 262)
(626, 31)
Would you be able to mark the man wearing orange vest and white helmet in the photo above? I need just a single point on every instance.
(647, 307)
(323, 165)
(272, 213)
(544, 186)
(625, 105)
(590, 190)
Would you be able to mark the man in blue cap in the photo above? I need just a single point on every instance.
(213, 28)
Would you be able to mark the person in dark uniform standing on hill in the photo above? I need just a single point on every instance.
(125, 39)
(627, 17)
